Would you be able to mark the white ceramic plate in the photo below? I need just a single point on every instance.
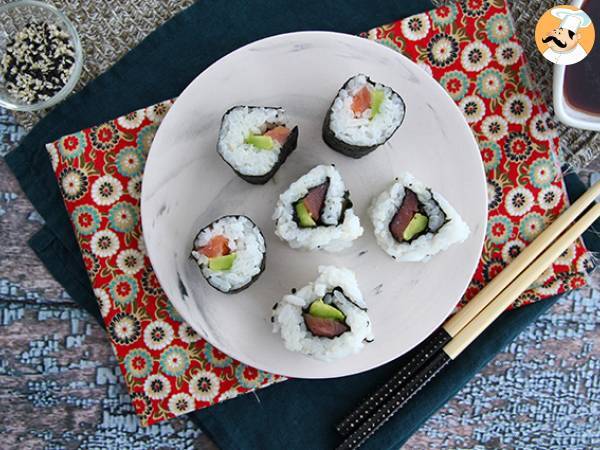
(186, 186)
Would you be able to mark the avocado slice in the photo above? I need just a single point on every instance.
(319, 308)
(304, 216)
(417, 225)
(221, 262)
(261, 142)
(377, 98)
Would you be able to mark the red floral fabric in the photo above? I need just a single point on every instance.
(469, 47)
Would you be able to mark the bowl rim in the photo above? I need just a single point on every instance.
(564, 112)
(78, 64)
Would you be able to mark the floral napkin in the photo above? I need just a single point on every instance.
(469, 47)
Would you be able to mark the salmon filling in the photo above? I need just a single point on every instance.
(279, 134)
(361, 101)
(409, 222)
(217, 246)
(309, 208)
(322, 327)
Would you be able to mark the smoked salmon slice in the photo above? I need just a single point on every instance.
(279, 134)
(217, 246)
(361, 101)
(407, 210)
(314, 200)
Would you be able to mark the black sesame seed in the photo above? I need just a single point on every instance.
(38, 62)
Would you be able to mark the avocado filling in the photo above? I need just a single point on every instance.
(304, 217)
(221, 263)
(261, 142)
(416, 226)
(319, 308)
(308, 209)
(410, 221)
(325, 320)
(377, 98)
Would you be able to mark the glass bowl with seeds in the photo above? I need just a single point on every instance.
(40, 56)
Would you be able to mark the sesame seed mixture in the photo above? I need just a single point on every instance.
(38, 62)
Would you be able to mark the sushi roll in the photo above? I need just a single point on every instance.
(316, 212)
(363, 116)
(412, 223)
(327, 319)
(255, 141)
(230, 253)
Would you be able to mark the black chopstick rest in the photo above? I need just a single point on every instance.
(420, 355)
(386, 412)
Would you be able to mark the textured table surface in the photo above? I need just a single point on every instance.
(60, 386)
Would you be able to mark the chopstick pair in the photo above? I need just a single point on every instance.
(458, 332)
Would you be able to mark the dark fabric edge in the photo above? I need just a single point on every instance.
(471, 364)
(63, 267)
(57, 273)
(51, 251)
(68, 117)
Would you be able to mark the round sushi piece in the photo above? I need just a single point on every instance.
(316, 212)
(230, 253)
(255, 141)
(363, 116)
(327, 319)
(412, 223)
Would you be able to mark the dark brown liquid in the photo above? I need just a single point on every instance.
(582, 80)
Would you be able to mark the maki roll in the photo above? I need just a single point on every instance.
(363, 116)
(255, 141)
(230, 253)
(326, 319)
(412, 223)
(316, 212)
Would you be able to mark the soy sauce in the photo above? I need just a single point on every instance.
(582, 80)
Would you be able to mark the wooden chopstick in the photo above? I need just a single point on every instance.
(435, 342)
(521, 262)
(472, 330)
(520, 284)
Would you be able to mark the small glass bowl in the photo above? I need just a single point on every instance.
(13, 17)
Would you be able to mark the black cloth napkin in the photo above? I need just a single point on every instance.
(301, 414)
(159, 68)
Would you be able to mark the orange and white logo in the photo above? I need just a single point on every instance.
(565, 35)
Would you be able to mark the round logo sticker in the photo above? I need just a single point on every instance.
(565, 35)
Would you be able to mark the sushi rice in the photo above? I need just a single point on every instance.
(445, 226)
(357, 135)
(237, 124)
(246, 240)
(341, 225)
(288, 318)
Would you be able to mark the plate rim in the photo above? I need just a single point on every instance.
(394, 53)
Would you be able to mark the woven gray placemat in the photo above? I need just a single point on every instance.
(129, 21)
(578, 147)
(108, 29)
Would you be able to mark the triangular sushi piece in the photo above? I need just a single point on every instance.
(411, 222)
(315, 212)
